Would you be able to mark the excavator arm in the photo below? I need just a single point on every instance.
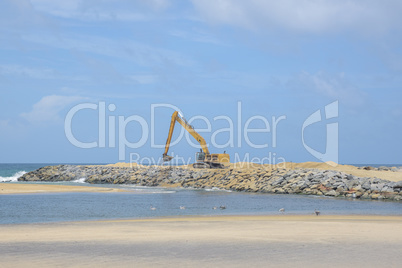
(176, 118)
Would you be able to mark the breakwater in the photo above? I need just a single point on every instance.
(308, 181)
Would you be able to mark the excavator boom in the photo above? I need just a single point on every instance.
(189, 128)
(210, 159)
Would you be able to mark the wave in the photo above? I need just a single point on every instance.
(80, 180)
(216, 189)
(146, 189)
(13, 178)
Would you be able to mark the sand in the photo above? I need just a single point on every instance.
(220, 241)
(386, 175)
(19, 188)
(348, 169)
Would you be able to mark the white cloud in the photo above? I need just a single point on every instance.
(19, 14)
(304, 16)
(36, 73)
(158, 4)
(196, 35)
(141, 53)
(330, 86)
(101, 10)
(49, 107)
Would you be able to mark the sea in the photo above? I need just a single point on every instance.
(137, 201)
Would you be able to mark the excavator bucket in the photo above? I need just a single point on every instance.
(167, 158)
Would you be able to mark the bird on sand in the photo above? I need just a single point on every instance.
(282, 210)
(317, 212)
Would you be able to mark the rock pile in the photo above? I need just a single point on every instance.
(280, 181)
(382, 168)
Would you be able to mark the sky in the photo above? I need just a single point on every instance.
(84, 81)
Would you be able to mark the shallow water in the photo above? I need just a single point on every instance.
(56, 207)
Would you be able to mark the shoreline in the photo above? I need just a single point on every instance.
(18, 188)
(224, 241)
(221, 219)
(245, 217)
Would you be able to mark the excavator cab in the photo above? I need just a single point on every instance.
(200, 157)
(200, 160)
(167, 158)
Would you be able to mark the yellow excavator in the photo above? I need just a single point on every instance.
(203, 158)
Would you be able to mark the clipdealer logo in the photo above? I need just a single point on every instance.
(108, 124)
(332, 140)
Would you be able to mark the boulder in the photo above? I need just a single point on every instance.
(358, 194)
(366, 185)
(332, 193)
(356, 188)
(368, 168)
(397, 184)
(377, 187)
(376, 196)
(383, 168)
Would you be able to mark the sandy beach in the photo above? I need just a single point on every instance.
(221, 241)
(18, 188)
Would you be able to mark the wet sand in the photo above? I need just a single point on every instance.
(221, 241)
(19, 188)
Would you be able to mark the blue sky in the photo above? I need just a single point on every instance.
(277, 58)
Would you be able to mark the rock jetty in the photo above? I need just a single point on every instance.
(308, 181)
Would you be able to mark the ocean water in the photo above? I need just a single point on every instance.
(136, 203)
(376, 165)
(11, 172)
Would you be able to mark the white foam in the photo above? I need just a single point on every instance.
(146, 189)
(80, 180)
(216, 189)
(13, 178)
